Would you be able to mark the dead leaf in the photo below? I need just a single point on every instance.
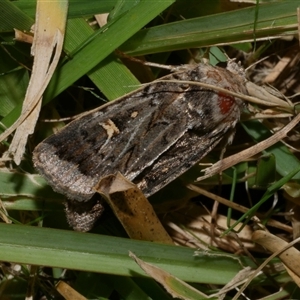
(132, 209)
(174, 286)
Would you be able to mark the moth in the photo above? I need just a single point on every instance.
(151, 136)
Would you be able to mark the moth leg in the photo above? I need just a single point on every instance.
(227, 141)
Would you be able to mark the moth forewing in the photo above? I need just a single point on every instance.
(151, 136)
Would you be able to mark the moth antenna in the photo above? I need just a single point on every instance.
(257, 62)
(152, 64)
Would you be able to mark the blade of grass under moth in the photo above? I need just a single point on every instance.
(106, 254)
(104, 77)
(233, 187)
(226, 28)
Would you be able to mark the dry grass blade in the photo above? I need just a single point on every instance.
(47, 47)
(260, 95)
(276, 245)
(243, 155)
(175, 287)
(289, 255)
(68, 292)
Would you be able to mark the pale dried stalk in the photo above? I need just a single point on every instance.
(48, 37)
(243, 155)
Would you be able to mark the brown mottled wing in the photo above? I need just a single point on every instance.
(151, 136)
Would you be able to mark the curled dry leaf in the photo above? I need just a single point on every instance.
(174, 286)
(132, 209)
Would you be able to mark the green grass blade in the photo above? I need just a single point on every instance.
(104, 43)
(105, 254)
(108, 71)
(22, 184)
(224, 28)
(11, 76)
(13, 17)
(270, 191)
(76, 8)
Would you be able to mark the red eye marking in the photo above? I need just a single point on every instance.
(225, 102)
